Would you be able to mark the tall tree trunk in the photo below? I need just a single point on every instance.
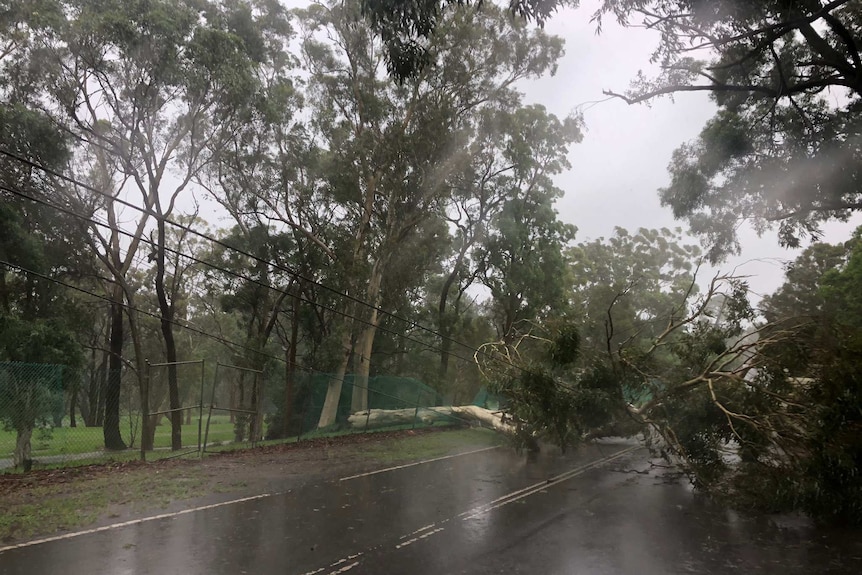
(96, 391)
(231, 401)
(365, 343)
(255, 423)
(167, 311)
(111, 425)
(147, 430)
(290, 368)
(362, 365)
(444, 323)
(22, 456)
(242, 419)
(333, 389)
(4, 294)
(73, 400)
(101, 390)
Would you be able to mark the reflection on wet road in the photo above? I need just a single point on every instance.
(602, 509)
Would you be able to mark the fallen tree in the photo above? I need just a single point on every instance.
(446, 414)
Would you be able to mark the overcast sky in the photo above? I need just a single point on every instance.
(622, 161)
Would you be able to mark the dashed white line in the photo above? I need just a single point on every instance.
(415, 539)
(420, 530)
(358, 475)
(429, 530)
(537, 487)
(205, 507)
(344, 569)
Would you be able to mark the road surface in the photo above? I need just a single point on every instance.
(604, 509)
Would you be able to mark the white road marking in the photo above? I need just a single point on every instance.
(499, 502)
(344, 569)
(205, 507)
(420, 530)
(132, 522)
(423, 536)
(358, 475)
(540, 487)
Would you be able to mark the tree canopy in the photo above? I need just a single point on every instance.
(782, 151)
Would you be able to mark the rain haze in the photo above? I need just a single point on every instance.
(622, 161)
(276, 297)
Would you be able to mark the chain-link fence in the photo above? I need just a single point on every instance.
(51, 415)
(384, 403)
(32, 406)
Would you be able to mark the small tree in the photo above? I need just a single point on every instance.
(29, 390)
(29, 395)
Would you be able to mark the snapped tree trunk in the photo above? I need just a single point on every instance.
(111, 425)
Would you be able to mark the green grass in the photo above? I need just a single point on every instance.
(75, 440)
(51, 508)
(82, 440)
(78, 501)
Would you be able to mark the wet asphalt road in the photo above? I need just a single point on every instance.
(601, 510)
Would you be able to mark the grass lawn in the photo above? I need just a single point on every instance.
(50, 445)
(75, 440)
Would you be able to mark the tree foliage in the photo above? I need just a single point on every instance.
(406, 27)
(784, 147)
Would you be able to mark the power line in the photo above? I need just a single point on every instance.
(130, 307)
(280, 267)
(222, 340)
(216, 241)
(237, 275)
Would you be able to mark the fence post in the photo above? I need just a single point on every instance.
(145, 413)
(304, 413)
(210, 413)
(201, 410)
(416, 411)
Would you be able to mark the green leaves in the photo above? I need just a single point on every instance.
(778, 153)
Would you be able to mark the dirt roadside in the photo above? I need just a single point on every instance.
(49, 502)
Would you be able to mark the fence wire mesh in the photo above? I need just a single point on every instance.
(52, 415)
(391, 403)
(32, 405)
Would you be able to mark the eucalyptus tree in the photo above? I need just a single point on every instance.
(626, 288)
(145, 87)
(390, 148)
(266, 176)
(522, 262)
(512, 153)
(783, 149)
(39, 247)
